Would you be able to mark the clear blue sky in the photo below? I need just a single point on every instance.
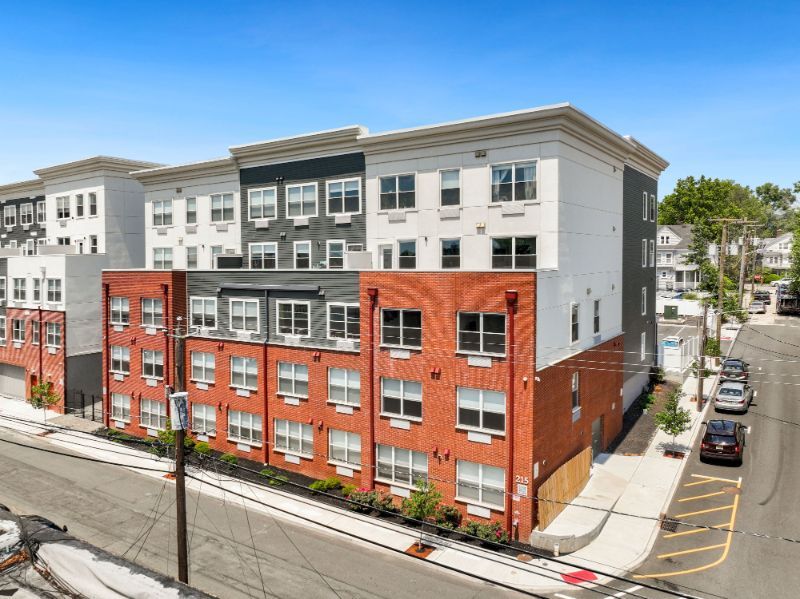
(713, 87)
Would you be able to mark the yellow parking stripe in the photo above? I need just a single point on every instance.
(709, 479)
(693, 531)
(708, 511)
(695, 550)
(701, 496)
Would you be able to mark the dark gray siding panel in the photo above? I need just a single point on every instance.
(634, 275)
(84, 376)
(320, 228)
(18, 233)
(3, 273)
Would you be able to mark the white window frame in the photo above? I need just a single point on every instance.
(245, 303)
(596, 317)
(187, 212)
(164, 211)
(301, 186)
(643, 346)
(644, 301)
(400, 258)
(200, 423)
(148, 315)
(262, 191)
(54, 291)
(393, 462)
(293, 304)
(156, 412)
(26, 214)
(644, 253)
(397, 192)
(18, 329)
(653, 206)
(481, 411)
(513, 255)
(41, 212)
(35, 332)
(120, 407)
(19, 293)
(480, 332)
(442, 256)
(221, 196)
(574, 319)
(328, 244)
(52, 334)
(296, 377)
(402, 343)
(205, 301)
(165, 261)
(80, 206)
(440, 172)
(150, 361)
(201, 374)
(403, 399)
(62, 207)
(344, 183)
(37, 289)
(119, 311)
(262, 244)
(652, 253)
(481, 486)
(92, 203)
(241, 368)
(645, 210)
(120, 356)
(346, 308)
(192, 257)
(3, 332)
(349, 440)
(10, 216)
(514, 164)
(294, 255)
(350, 375)
(575, 391)
(298, 432)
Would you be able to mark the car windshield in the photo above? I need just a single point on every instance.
(733, 366)
(732, 391)
(720, 439)
(757, 304)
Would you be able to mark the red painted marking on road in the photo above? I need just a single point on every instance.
(579, 576)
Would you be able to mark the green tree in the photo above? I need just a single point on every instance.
(43, 396)
(673, 419)
(422, 505)
(793, 273)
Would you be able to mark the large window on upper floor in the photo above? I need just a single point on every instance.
(344, 197)
(41, 212)
(401, 398)
(262, 203)
(10, 216)
(120, 311)
(152, 312)
(451, 253)
(335, 253)
(191, 211)
(222, 208)
(482, 410)
(54, 290)
(162, 258)
(203, 366)
(482, 332)
(244, 427)
(20, 290)
(301, 200)
(344, 386)
(401, 328)
(120, 359)
(26, 214)
(344, 321)
(92, 204)
(244, 315)
(450, 187)
(514, 182)
(62, 207)
(162, 213)
(263, 256)
(292, 379)
(398, 192)
(407, 254)
(152, 364)
(293, 318)
(513, 252)
(153, 414)
(203, 312)
(574, 322)
(302, 254)
(244, 373)
(53, 334)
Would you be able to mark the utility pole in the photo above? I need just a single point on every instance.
(723, 248)
(743, 267)
(701, 362)
(180, 417)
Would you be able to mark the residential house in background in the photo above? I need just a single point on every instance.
(776, 253)
(674, 271)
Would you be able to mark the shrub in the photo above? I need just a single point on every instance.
(278, 480)
(657, 375)
(329, 484)
(268, 472)
(712, 347)
(448, 516)
(202, 448)
(188, 443)
(229, 458)
(646, 400)
(348, 489)
(690, 295)
(493, 531)
(384, 503)
(771, 277)
(363, 498)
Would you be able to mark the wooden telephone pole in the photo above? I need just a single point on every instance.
(180, 420)
(701, 362)
(723, 249)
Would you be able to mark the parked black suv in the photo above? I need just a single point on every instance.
(723, 440)
(763, 296)
(734, 369)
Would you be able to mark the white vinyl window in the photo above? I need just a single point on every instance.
(293, 318)
(162, 213)
(481, 409)
(344, 197)
(162, 258)
(263, 256)
(153, 414)
(576, 391)
(596, 322)
(2, 288)
(335, 253)
(152, 312)
(450, 187)
(120, 407)
(513, 252)
(62, 207)
(79, 206)
(644, 205)
(344, 448)
(401, 398)
(301, 200)
(262, 203)
(93, 244)
(401, 328)
(41, 212)
(152, 364)
(398, 192)
(244, 315)
(480, 483)
(514, 182)
(644, 252)
(244, 373)
(10, 216)
(652, 252)
(191, 211)
(120, 359)
(203, 312)
(407, 254)
(643, 347)
(26, 214)
(120, 311)
(302, 254)
(18, 330)
(20, 290)
(292, 379)
(644, 301)
(92, 204)
(653, 206)
(574, 322)
(35, 324)
(191, 257)
(451, 253)
(37, 290)
(2, 330)
(53, 334)
(482, 332)
(401, 466)
(294, 437)
(344, 321)
(204, 419)
(54, 291)
(203, 366)
(344, 386)
(222, 208)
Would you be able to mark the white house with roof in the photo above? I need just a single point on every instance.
(673, 270)
(775, 253)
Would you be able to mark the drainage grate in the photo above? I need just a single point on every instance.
(669, 525)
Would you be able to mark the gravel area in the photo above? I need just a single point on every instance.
(638, 428)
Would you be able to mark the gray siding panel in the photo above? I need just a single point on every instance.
(18, 233)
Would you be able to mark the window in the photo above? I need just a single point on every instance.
(293, 318)
(596, 324)
(41, 212)
(644, 301)
(407, 254)
(153, 414)
(191, 211)
(481, 409)
(13, 243)
(203, 366)
(2, 330)
(244, 373)
(574, 322)
(513, 252)
(644, 252)
(398, 191)
(344, 321)
(204, 312)
(450, 187)
(344, 447)
(652, 208)
(93, 247)
(63, 241)
(576, 391)
(643, 347)
(20, 290)
(221, 207)
(120, 407)
(302, 254)
(301, 200)
(162, 258)
(480, 483)
(10, 216)
(191, 257)
(216, 250)
(294, 437)
(18, 330)
(244, 315)
(79, 205)
(92, 204)
(53, 334)
(386, 259)
(262, 203)
(335, 254)
(37, 290)
(244, 427)
(451, 253)
(152, 364)
(344, 386)
(35, 324)
(401, 327)
(264, 256)
(292, 379)
(401, 398)
(482, 333)
(401, 466)
(514, 182)
(26, 214)
(162, 213)
(644, 205)
(204, 419)
(652, 252)
(29, 249)
(120, 359)
(344, 197)
(62, 207)
(54, 290)
(152, 312)
(2, 288)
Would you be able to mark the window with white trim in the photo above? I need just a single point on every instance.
(301, 200)
(244, 373)
(35, 332)
(191, 257)
(203, 312)
(92, 204)
(481, 409)
(480, 483)
(596, 321)
(574, 322)
(644, 301)
(344, 197)
(407, 254)
(162, 213)
(203, 366)
(2, 330)
(222, 207)
(514, 182)
(120, 359)
(401, 466)
(244, 315)
(37, 290)
(293, 318)
(644, 205)
(263, 256)
(401, 398)
(79, 205)
(576, 391)
(292, 379)
(643, 346)
(450, 253)
(53, 334)
(450, 187)
(2, 288)
(294, 437)
(344, 321)
(93, 244)
(344, 386)
(120, 311)
(262, 203)
(152, 364)
(644, 252)
(653, 208)
(482, 332)
(26, 214)
(204, 419)
(162, 258)
(62, 207)
(401, 328)
(120, 407)
(335, 254)
(513, 252)
(152, 312)
(398, 192)
(302, 254)
(18, 330)
(41, 212)
(344, 448)
(10, 216)
(54, 291)
(20, 289)
(191, 211)
(652, 252)
(153, 414)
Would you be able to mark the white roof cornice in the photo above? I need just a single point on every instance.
(332, 142)
(93, 165)
(181, 172)
(22, 189)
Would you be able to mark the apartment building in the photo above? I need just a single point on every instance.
(59, 231)
(443, 303)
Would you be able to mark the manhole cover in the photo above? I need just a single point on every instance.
(669, 525)
(524, 557)
(732, 490)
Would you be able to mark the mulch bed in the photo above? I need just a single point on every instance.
(638, 428)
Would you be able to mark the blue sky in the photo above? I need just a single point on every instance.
(713, 87)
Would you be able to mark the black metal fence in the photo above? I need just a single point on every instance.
(84, 405)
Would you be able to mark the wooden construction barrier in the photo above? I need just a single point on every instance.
(563, 486)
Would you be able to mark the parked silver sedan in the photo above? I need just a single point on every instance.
(733, 397)
(757, 307)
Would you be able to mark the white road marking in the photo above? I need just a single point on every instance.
(560, 596)
(630, 590)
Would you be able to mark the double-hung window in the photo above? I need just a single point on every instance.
(644, 205)
(26, 214)
(53, 334)
(482, 332)
(92, 204)
(398, 192)
(204, 312)
(264, 256)
(294, 437)
(18, 330)
(35, 324)
(62, 207)
(120, 311)
(152, 312)
(451, 253)
(162, 213)
(153, 414)
(574, 322)
(480, 483)
(301, 200)
(644, 252)
(41, 212)
(203, 366)
(10, 216)
(2, 330)
(450, 187)
(2, 288)
(120, 359)
(401, 398)
(344, 386)
(402, 328)
(162, 258)
(344, 321)
(37, 290)
(293, 318)
(596, 324)
(191, 211)
(152, 364)
(514, 182)
(244, 373)
(244, 315)
(407, 254)
(292, 379)
(54, 291)
(643, 346)
(120, 407)
(262, 203)
(644, 301)
(514, 252)
(344, 197)
(344, 447)
(401, 466)
(93, 244)
(79, 206)
(191, 257)
(652, 252)
(335, 254)
(221, 207)
(20, 290)
(204, 419)
(302, 254)
(481, 409)
(576, 391)
(653, 208)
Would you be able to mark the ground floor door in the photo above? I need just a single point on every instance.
(12, 381)
(597, 437)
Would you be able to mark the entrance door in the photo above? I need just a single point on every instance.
(597, 437)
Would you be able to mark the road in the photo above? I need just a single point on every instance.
(112, 507)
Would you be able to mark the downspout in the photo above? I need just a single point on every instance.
(373, 302)
(166, 322)
(106, 355)
(264, 370)
(64, 360)
(41, 343)
(511, 304)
